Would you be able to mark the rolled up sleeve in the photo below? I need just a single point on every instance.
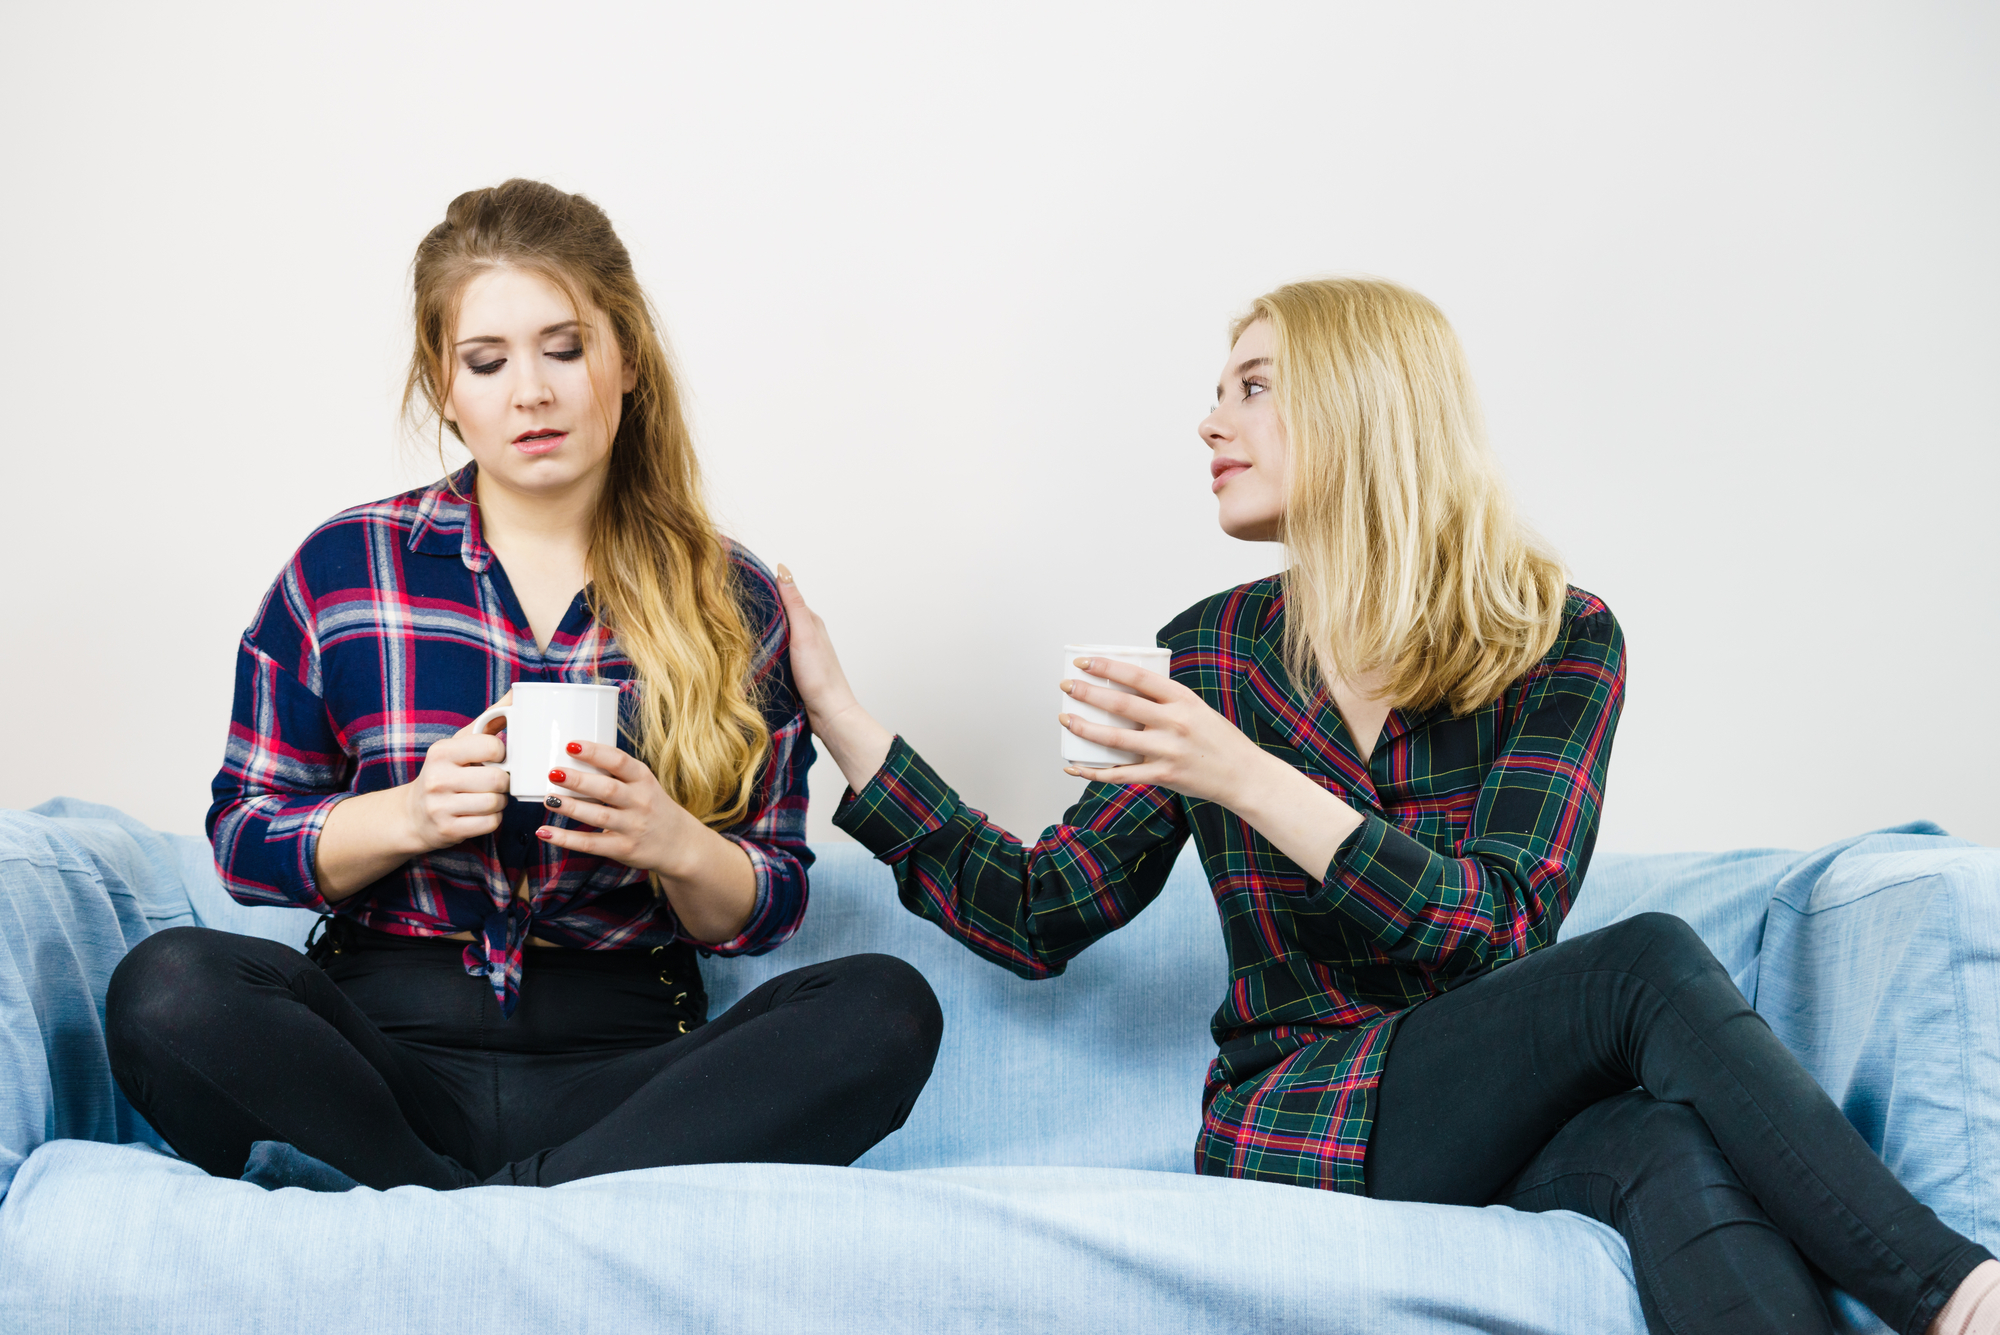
(1506, 887)
(283, 768)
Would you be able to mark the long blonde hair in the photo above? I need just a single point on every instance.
(662, 582)
(1405, 555)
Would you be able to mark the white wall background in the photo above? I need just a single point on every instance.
(950, 284)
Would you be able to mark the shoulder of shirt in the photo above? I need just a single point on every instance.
(1585, 612)
(1242, 611)
(1588, 630)
(757, 594)
(402, 512)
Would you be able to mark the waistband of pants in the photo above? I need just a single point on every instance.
(416, 989)
(335, 935)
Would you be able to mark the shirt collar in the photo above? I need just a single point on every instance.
(448, 521)
(1312, 725)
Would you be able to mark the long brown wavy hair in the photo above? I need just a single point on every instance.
(662, 582)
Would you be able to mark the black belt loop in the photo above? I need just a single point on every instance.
(331, 935)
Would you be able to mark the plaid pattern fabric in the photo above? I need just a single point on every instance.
(1475, 834)
(393, 627)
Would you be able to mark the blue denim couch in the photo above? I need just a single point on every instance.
(1043, 1182)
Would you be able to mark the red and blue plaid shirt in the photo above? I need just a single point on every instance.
(1475, 834)
(393, 627)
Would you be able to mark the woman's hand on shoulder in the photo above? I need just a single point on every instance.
(457, 796)
(859, 744)
(1185, 745)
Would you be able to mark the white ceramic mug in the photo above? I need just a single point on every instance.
(547, 716)
(1075, 750)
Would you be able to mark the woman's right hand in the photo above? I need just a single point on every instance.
(457, 795)
(857, 742)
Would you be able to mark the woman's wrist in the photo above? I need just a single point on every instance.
(710, 882)
(685, 852)
(1302, 820)
(858, 744)
(409, 834)
(362, 839)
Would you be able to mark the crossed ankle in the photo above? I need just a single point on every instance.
(1974, 1306)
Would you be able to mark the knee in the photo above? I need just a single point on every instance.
(1659, 946)
(166, 983)
(900, 1006)
(1672, 1157)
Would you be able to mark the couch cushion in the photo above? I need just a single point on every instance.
(1883, 975)
(744, 1249)
(75, 895)
(1102, 1065)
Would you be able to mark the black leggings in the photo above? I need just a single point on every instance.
(1623, 1076)
(393, 1065)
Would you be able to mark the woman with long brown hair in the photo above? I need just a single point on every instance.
(503, 991)
(1391, 759)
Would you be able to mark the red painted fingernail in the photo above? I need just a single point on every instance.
(542, 832)
(574, 748)
(556, 776)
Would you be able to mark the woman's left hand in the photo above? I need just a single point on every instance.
(637, 823)
(1185, 745)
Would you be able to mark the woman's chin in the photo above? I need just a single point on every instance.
(550, 473)
(1250, 528)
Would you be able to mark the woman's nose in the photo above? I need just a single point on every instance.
(1212, 429)
(531, 390)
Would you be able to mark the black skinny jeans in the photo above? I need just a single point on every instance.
(1622, 1075)
(394, 1065)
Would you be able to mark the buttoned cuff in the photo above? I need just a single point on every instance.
(904, 802)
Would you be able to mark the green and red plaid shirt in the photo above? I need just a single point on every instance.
(1475, 834)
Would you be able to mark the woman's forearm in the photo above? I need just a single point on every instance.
(711, 886)
(363, 839)
(857, 743)
(1302, 820)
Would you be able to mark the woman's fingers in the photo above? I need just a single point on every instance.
(576, 808)
(599, 788)
(1135, 707)
(470, 748)
(580, 841)
(1125, 739)
(607, 758)
(804, 621)
(1151, 685)
(1116, 774)
(474, 804)
(816, 671)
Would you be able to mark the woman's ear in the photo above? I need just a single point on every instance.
(628, 377)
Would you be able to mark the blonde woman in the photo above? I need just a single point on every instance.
(504, 991)
(1391, 759)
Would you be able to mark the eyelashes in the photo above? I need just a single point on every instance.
(489, 368)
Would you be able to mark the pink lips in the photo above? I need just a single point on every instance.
(1224, 469)
(539, 442)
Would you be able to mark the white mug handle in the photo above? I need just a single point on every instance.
(479, 725)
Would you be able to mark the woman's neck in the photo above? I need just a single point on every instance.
(542, 542)
(548, 522)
